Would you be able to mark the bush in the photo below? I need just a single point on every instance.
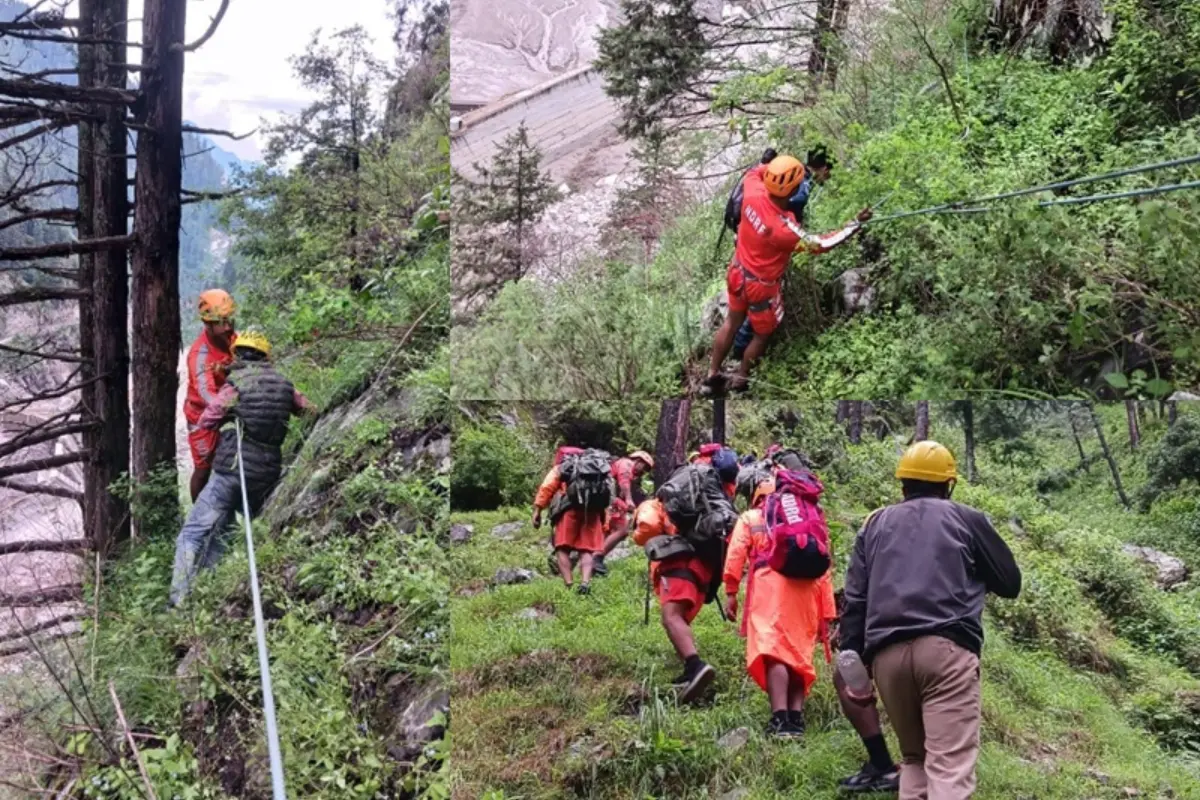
(492, 467)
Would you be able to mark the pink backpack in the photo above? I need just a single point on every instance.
(798, 537)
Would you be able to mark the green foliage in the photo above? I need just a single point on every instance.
(1173, 460)
(153, 503)
(492, 467)
(171, 768)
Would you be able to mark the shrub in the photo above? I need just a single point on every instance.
(492, 467)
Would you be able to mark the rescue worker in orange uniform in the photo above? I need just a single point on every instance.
(768, 234)
(207, 362)
(783, 620)
(575, 531)
(627, 474)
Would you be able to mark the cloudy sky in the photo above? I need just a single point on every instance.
(242, 74)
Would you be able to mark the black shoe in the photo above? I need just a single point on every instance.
(598, 568)
(682, 680)
(697, 682)
(584, 589)
(784, 728)
(871, 779)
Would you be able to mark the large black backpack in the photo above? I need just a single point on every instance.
(588, 477)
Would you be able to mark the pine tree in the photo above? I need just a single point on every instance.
(516, 193)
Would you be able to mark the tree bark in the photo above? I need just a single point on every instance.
(107, 521)
(969, 435)
(1112, 464)
(718, 427)
(156, 334)
(670, 446)
(1131, 417)
(922, 421)
(1172, 413)
(856, 421)
(843, 411)
(819, 54)
(86, 229)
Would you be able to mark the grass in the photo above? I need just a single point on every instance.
(1080, 699)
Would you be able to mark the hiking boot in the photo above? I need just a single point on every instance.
(713, 386)
(872, 779)
(584, 589)
(598, 568)
(697, 682)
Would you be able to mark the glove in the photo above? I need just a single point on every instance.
(769, 155)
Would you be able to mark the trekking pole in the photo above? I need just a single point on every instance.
(646, 618)
(277, 790)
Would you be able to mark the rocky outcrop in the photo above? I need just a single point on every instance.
(1169, 571)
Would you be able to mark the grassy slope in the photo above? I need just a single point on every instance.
(577, 703)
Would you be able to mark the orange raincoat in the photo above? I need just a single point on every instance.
(783, 618)
(651, 520)
(576, 529)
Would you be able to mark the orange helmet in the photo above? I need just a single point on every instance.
(783, 175)
(216, 305)
(763, 489)
(644, 457)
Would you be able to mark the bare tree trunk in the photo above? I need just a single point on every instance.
(818, 55)
(841, 17)
(86, 229)
(843, 411)
(1131, 416)
(856, 421)
(156, 334)
(922, 421)
(1172, 413)
(1112, 465)
(670, 446)
(969, 435)
(108, 523)
(718, 428)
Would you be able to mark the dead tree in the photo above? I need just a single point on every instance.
(856, 421)
(1083, 459)
(156, 335)
(968, 412)
(670, 446)
(922, 432)
(1112, 464)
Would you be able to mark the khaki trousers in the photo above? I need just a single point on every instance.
(930, 688)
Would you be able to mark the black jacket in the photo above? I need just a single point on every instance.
(922, 567)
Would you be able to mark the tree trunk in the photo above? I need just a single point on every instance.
(670, 447)
(718, 427)
(841, 17)
(156, 334)
(818, 56)
(843, 411)
(969, 435)
(1172, 413)
(856, 421)
(109, 520)
(1112, 465)
(1075, 435)
(1131, 416)
(86, 229)
(922, 421)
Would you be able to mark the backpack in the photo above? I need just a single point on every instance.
(751, 475)
(798, 537)
(697, 505)
(588, 477)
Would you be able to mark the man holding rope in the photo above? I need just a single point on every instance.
(259, 400)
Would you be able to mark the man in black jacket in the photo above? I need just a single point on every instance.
(261, 400)
(914, 613)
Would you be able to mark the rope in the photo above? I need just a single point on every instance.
(277, 790)
(957, 207)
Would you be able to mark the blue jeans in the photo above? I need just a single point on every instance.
(209, 527)
(744, 335)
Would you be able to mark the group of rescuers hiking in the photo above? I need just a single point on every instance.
(912, 602)
(766, 211)
(231, 384)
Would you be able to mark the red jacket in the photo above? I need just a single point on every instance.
(768, 235)
(206, 376)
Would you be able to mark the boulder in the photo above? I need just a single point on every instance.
(507, 576)
(461, 534)
(735, 740)
(508, 530)
(406, 735)
(1170, 570)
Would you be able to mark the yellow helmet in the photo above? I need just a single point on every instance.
(644, 457)
(927, 461)
(763, 489)
(783, 175)
(255, 340)
(216, 305)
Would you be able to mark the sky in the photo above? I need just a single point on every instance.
(242, 73)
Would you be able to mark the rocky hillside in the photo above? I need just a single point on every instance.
(1091, 678)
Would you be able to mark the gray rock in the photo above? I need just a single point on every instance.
(1097, 776)
(406, 735)
(623, 550)
(735, 794)
(461, 534)
(735, 740)
(506, 576)
(532, 614)
(1183, 397)
(1170, 570)
(508, 530)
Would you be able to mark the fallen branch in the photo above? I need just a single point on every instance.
(112, 691)
(66, 248)
(218, 132)
(46, 356)
(17, 649)
(43, 597)
(29, 630)
(32, 488)
(44, 546)
(39, 294)
(29, 438)
(46, 23)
